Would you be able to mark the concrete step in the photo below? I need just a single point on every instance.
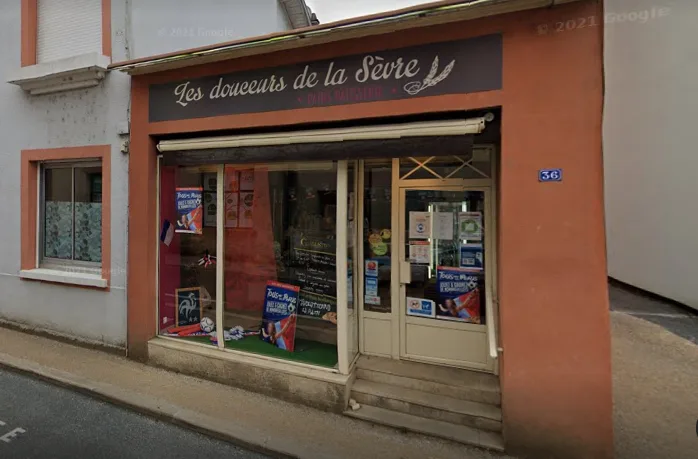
(450, 382)
(404, 421)
(427, 405)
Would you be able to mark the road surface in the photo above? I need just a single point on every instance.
(655, 376)
(680, 321)
(42, 421)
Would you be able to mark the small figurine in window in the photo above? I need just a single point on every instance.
(207, 260)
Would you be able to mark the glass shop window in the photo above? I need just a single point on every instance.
(377, 234)
(187, 250)
(280, 261)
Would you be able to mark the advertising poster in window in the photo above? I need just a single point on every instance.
(458, 294)
(231, 210)
(371, 288)
(210, 182)
(210, 210)
(188, 306)
(190, 210)
(371, 268)
(245, 210)
(471, 256)
(247, 180)
(232, 180)
(470, 226)
(279, 316)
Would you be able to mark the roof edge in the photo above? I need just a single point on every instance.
(443, 11)
(301, 5)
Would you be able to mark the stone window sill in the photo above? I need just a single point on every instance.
(77, 72)
(64, 277)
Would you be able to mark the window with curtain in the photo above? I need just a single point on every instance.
(71, 213)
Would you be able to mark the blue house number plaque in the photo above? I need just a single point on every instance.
(550, 175)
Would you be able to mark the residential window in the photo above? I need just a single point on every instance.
(68, 28)
(71, 214)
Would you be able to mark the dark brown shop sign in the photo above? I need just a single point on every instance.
(454, 67)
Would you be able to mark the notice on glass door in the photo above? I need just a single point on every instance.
(420, 225)
(420, 307)
(443, 226)
(471, 256)
(420, 252)
(470, 226)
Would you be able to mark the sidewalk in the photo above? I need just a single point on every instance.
(251, 420)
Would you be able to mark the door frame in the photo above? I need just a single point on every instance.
(392, 319)
(404, 319)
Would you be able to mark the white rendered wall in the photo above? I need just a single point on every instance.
(82, 118)
(650, 135)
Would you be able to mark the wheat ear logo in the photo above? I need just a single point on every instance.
(415, 87)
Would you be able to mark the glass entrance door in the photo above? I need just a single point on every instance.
(444, 248)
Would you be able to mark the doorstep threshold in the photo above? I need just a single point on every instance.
(432, 427)
(425, 399)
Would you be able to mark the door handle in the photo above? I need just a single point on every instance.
(405, 272)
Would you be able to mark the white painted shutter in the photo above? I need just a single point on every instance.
(68, 28)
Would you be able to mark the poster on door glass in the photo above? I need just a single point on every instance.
(443, 226)
(420, 252)
(471, 256)
(420, 307)
(420, 225)
(458, 294)
(470, 226)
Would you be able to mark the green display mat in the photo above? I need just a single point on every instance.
(311, 352)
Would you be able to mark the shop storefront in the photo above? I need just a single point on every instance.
(374, 194)
(321, 251)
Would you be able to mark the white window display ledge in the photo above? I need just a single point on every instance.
(83, 71)
(64, 277)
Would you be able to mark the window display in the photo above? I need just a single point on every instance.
(279, 263)
(187, 256)
(280, 260)
(377, 235)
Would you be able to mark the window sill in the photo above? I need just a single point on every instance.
(83, 71)
(64, 277)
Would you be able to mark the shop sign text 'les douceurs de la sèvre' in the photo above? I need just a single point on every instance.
(454, 67)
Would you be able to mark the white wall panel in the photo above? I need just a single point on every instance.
(650, 162)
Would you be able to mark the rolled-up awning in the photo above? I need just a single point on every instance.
(435, 138)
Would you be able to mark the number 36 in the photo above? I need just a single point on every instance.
(550, 175)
